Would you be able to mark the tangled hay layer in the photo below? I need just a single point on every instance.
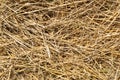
(59, 40)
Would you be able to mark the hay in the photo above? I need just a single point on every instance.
(59, 40)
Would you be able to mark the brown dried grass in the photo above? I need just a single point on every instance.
(59, 39)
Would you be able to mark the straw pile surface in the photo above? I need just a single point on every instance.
(59, 39)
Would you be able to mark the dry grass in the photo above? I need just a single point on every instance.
(59, 39)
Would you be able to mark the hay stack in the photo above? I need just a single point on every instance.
(59, 40)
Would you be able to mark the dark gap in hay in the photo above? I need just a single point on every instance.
(51, 14)
(65, 56)
(115, 25)
(46, 63)
(45, 74)
(2, 49)
(100, 16)
(117, 48)
(99, 60)
(14, 1)
(50, 0)
(54, 30)
(19, 19)
(31, 32)
(14, 30)
(18, 71)
(67, 38)
(8, 50)
(108, 54)
(46, 31)
(24, 8)
(45, 17)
